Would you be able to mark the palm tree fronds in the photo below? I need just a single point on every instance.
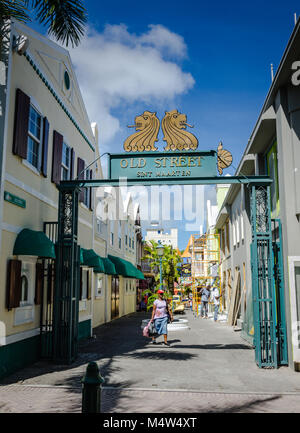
(65, 19)
(14, 9)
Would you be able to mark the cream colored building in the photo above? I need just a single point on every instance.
(47, 137)
(117, 217)
(159, 235)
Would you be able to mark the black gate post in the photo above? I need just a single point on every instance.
(66, 293)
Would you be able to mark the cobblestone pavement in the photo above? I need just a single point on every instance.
(207, 368)
(57, 399)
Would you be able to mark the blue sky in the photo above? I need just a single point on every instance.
(210, 60)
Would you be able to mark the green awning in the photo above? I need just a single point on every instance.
(125, 268)
(109, 266)
(81, 256)
(91, 259)
(140, 275)
(33, 243)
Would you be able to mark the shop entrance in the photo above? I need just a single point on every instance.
(115, 297)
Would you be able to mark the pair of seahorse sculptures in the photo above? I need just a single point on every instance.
(173, 126)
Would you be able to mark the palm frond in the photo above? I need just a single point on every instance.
(14, 9)
(65, 19)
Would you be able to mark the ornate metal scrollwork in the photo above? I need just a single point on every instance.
(262, 210)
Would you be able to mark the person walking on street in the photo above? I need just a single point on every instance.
(160, 317)
(205, 294)
(215, 294)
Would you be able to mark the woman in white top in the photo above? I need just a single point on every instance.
(160, 317)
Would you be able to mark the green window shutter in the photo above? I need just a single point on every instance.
(89, 287)
(14, 289)
(80, 175)
(22, 108)
(56, 157)
(45, 146)
(39, 283)
(72, 163)
(91, 191)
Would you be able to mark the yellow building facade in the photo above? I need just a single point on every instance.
(47, 138)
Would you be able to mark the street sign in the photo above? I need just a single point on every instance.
(11, 198)
(166, 165)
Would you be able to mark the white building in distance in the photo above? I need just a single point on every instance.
(158, 234)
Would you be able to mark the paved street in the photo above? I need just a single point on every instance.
(207, 368)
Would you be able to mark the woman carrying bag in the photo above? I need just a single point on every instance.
(160, 317)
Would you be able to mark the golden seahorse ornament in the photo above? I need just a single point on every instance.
(173, 126)
(147, 125)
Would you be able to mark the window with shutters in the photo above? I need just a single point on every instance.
(66, 162)
(34, 147)
(25, 312)
(27, 283)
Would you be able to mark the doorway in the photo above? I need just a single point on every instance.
(115, 297)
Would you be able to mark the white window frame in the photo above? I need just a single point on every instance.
(99, 293)
(63, 166)
(237, 229)
(34, 138)
(242, 227)
(25, 312)
(233, 234)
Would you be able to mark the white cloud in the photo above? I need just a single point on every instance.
(167, 42)
(116, 67)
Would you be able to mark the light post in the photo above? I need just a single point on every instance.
(160, 253)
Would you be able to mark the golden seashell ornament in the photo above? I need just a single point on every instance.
(224, 158)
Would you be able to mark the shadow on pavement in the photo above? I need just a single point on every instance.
(162, 354)
(254, 405)
(116, 338)
(213, 346)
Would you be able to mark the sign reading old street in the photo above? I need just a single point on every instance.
(163, 165)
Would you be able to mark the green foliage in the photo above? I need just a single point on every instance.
(14, 9)
(154, 296)
(170, 261)
(65, 19)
